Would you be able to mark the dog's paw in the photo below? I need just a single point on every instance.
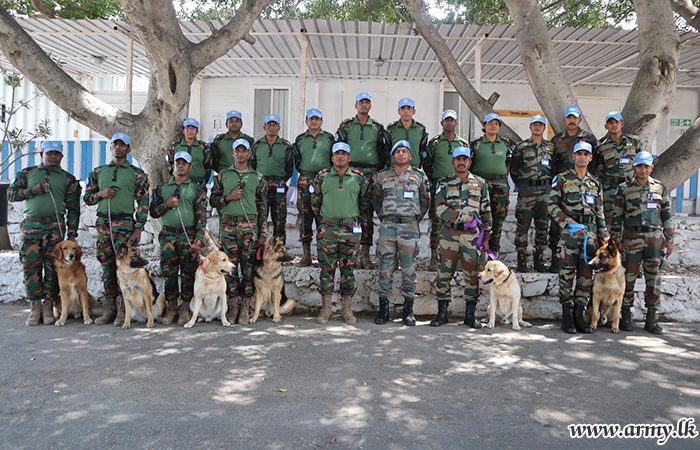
(59, 323)
(188, 324)
(126, 326)
(253, 320)
(88, 321)
(277, 318)
(491, 324)
(516, 327)
(149, 325)
(525, 324)
(616, 329)
(594, 325)
(225, 323)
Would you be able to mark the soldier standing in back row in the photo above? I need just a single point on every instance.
(199, 150)
(222, 145)
(407, 129)
(51, 204)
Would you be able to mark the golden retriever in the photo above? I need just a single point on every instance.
(72, 281)
(268, 280)
(608, 288)
(505, 295)
(209, 299)
(141, 298)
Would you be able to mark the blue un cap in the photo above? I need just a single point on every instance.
(338, 146)
(583, 146)
(234, 113)
(190, 122)
(492, 116)
(363, 96)
(407, 102)
(449, 113)
(538, 118)
(122, 137)
(52, 146)
(572, 110)
(613, 115)
(183, 155)
(644, 158)
(314, 112)
(272, 118)
(400, 144)
(239, 142)
(462, 151)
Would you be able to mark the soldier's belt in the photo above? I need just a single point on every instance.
(44, 220)
(643, 229)
(399, 219)
(364, 165)
(493, 177)
(237, 219)
(584, 219)
(537, 182)
(168, 229)
(349, 221)
(121, 216)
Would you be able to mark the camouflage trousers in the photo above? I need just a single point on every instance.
(121, 231)
(400, 240)
(37, 242)
(500, 198)
(277, 205)
(435, 221)
(339, 247)
(573, 265)
(306, 214)
(240, 241)
(178, 265)
(367, 219)
(458, 247)
(643, 249)
(609, 194)
(532, 202)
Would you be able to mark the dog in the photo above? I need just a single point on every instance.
(209, 299)
(72, 281)
(141, 298)
(505, 295)
(608, 288)
(268, 280)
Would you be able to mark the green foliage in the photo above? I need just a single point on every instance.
(68, 9)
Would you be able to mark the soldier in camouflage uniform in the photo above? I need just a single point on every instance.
(437, 164)
(273, 157)
(369, 142)
(491, 155)
(114, 188)
(199, 150)
(576, 204)
(341, 196)
(643, 229)
(462, 201)
(182, 203)
(616, 152)
(531, 171)
(312, 153)
(222, 145)
(407, 129)
(240, 196)
(39, 187)
(401, 198)
(563, 149)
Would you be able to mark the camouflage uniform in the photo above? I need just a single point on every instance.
(276, 163)
(614, 166)
(312, 154)
(490, 161)
(573, 200)
(642, 222)
(415, 135)
(201, 159)
(39, 229)
(133, 183)
(222, 150)
(437, 164)
(401, 201)
(176, 257)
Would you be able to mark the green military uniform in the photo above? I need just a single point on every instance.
(415, 135)
(576, 201)
(369, 144)
(222, 150)
(176, 257)
(125, 216)
(312, 154)
(437, 164)
(276, 163)
(614, 164)
(490, 161)
(201, 159)
(40, 227)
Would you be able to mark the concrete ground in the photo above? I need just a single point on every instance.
(299, 385)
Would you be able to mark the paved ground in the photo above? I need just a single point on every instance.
(299, 385)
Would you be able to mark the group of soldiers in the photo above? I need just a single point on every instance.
(397, 172)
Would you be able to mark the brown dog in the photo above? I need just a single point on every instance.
(608, 288)
(268, 279)
(72, 281)
(209, 299)
(141, 297)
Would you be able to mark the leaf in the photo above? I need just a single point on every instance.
(292, 346)
(538, 393)
(365, 384)
(436, 417)
(282, 390)
(57, 392)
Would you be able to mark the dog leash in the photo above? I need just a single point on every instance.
(480, 241)
(55, 209)
(574, 228)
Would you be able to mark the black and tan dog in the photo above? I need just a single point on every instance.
(608, 288)
(268, 280)
(72, 281)
(141, 297)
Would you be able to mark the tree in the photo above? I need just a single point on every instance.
(688, 11)
(65, 9)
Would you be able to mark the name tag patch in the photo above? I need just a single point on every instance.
(408, 194)
(357, 229)
(590, 199)
(280, 189)
(545, 162)
(625, 160)
(652, 205)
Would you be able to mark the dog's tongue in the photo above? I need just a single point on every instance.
(70, 261)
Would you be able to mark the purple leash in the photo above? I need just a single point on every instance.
(480, 242)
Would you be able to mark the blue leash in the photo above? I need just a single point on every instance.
(578, 227)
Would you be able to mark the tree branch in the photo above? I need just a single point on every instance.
(687, 10)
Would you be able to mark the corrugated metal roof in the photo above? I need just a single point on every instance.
(346, 50)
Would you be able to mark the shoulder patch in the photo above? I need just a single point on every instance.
(555, 180)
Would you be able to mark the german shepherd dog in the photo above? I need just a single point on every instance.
(72, 280)
(140, 294)
(268, 280)
(608, 288)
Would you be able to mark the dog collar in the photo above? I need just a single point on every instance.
(510, 272)
(205, 272)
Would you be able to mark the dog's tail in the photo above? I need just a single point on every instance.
(159, 306)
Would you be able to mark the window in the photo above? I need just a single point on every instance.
(271, 101)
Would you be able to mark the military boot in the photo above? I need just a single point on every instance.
(243, 317)
(346, 310)
(170, 314)
(441, 317)
(325, 313)
(554, 267)
(407, 314)
(383, 314)
(34, 313)
(539, 262)
(626, 320)
(306, 257)
(579, 322)
(651, 326)
(567, 318)
(47, 312)
(185, 314)
(434, 264)
(522, 262)
(119, 320)
(231, 310)
(110, 313)
(470, 318)
(365, 261)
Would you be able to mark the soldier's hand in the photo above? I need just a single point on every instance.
(620, 247)
(261, 241)
(469, 219)
(39, 188)
(196, 247)
(173, 202)
(106, 193)
(606, 239)
(135, 237)
(485, 245)
(667, 249)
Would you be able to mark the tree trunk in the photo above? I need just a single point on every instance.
(687, 10)
(681, 160)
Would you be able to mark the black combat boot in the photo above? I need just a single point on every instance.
(469, 319)
(567, 318)
(383, 314)
(522, 262)
(441, 317)
(651, 326)
(626, 321)
(407, 315)
(539, 262)
(579, 323)
(554, 267)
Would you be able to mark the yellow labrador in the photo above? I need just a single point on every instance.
(505, 295)
(209, 299)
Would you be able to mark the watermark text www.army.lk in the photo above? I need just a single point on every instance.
(683, 429)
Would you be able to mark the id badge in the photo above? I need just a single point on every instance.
(280, 189)
(590, 199)
(357, 229)
(652, 205)
(545, 162)
(408, 194)
(625, 159)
